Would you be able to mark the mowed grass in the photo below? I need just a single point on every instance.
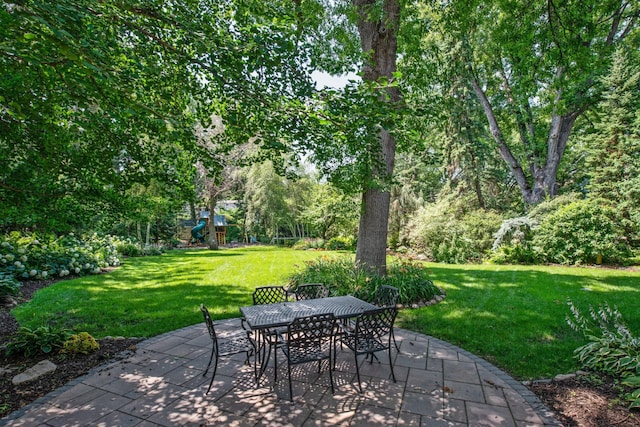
(513, 316)
(150, 295)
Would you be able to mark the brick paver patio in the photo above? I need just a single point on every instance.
(438, 384)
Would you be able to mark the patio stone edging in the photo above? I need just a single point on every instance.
(527, 395)
(530, 397)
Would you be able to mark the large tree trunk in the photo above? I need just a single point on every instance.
(378, 38)
(543, 177)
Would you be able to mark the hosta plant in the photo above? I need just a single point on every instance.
(42, 340)
(612, 349)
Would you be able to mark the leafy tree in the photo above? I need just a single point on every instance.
(534, 68)
(265, 199)
(97, 96)
(331, 212)
(350, 131)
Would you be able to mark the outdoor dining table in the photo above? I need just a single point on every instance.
(272, 316)
(267, 316)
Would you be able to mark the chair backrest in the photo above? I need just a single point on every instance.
(310, 331)
(269, 295)
(311, 291)
(386, 296)
(376, 323)
(209, 322)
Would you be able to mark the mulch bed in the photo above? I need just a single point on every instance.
(587, 401)
(13, 397)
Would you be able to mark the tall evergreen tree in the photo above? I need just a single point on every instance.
(614, 157)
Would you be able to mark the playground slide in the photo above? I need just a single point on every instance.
(196, 234)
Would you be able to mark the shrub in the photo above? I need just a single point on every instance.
(8, 285)
(343, 276)
(341, 243)
(128, 247)
(411, 279)
(445, 238)
(513, 241)
(305, 244)
(153, 250)
(31, 256)
(30, 342)
(82, 343)
(612, 349)
(551, 205)
(580, 232)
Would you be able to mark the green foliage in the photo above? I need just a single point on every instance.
(8, 285)
(41, 340)
(341, 243)
(344, 276)
(82, 343)
(447, 237)
(411, 279)
(44, 256)
(634, 396)
(100, 96)
(513, 241)
(305, 244)
(581, 231)
(614, 147)
(507, 66)
(153, 250)
(128, 248)
(612, 348)
(341, 275)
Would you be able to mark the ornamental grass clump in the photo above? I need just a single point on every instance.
(612, 349)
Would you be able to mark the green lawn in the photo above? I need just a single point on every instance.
(514, 316)
(151, 295)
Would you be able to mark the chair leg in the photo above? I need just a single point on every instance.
(358, 371)
(275, 363)
(331, 371)
(290, 386)
(215, 368)
(213, 350)
(391, 364)
(393, 335)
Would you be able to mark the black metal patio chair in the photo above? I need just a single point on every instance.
(371, 334)
(387, 296)
(231, 343)
(268, 339)
(269, 295)
(309, 339)
(311, 291)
